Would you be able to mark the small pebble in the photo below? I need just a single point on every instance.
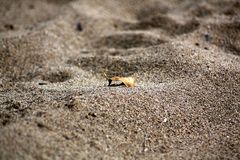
(42, 83)
(79, 27)
(165, 120)
(207, 37)
(9, 26)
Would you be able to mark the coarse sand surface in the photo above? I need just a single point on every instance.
(55, 102)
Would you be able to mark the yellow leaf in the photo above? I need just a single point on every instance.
(127, 81)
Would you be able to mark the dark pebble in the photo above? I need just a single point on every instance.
(79, 27)
(42, 83)
(207, 37)
(197, 44)
(9, 26)
(92, 114)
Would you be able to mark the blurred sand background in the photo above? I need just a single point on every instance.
(55, 102)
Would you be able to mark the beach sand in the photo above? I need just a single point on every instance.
(55, 102)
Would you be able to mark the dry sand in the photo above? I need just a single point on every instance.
(55, 102)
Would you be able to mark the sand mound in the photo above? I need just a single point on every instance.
(128, 40)
(55, 102)
(227, 35)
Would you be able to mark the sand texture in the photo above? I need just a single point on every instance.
(55, 102)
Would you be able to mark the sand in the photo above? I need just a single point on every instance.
(55, 102)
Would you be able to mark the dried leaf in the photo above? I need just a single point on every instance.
(127, 81)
